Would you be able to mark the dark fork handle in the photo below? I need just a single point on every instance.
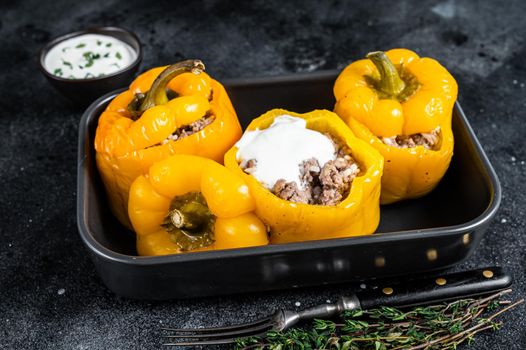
(439, 288)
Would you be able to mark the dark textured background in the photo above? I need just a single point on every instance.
(50, 295)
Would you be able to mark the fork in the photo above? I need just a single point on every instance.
(420, 291)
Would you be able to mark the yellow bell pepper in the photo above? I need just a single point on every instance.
(190, 203)
(143, 125)
(357, 214)
(399, 93)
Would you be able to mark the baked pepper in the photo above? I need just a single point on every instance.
(145, 124)
(398, 93)
(357, 214)
(190, 203)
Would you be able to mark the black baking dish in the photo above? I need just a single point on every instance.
(430, 233)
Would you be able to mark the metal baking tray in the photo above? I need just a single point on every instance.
(430, 233)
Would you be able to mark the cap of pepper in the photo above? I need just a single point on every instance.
(398, 93)
(190, 203)
(357, 214)
(144, 124)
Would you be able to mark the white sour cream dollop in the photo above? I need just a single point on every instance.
(89, 56)
(281, 148)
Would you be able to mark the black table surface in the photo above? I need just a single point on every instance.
(50, 294)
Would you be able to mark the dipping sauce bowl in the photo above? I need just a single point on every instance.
(66, 77)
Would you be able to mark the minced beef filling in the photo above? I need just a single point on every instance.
(428, 140)
(327, 185)
(192, 128)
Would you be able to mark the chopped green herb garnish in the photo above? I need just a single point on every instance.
(101, 75)
(118, 55)
(81, 67)
(90, 57)
(89, 75)
(99, 42)
(116, 65)
(71, 76)
(108, 44)
(81, 45)
(58, 72)
(107, 55)
(65, 48)
(66, 63)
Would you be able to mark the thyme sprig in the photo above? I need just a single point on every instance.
(435, 327)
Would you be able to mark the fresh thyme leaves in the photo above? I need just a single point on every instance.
(58, 72)
(435, 327)
(118, 55)
(80, 46)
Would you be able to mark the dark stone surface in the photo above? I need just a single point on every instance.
(50, 295)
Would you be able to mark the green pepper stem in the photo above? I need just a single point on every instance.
(190, 222)
(187, 220)
(157, 93)
(390, 81)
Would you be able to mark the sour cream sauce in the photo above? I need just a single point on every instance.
(281, 148)
(89, 56)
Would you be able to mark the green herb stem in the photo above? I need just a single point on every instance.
(435, 327)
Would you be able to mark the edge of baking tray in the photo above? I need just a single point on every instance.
(108, 254)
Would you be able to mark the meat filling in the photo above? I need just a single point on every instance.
(321, 185)
(428, 140)
(192, 128)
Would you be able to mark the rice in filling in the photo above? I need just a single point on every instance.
(428, 140)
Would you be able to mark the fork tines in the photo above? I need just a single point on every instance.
(216, 335)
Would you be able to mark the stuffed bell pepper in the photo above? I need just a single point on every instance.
(310, 177)
(187, 203)
(176, 109)
(402, 105)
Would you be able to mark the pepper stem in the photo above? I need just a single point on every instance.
(157, 93)
(190, 222)
(390, 82)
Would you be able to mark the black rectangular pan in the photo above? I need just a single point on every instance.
(430, 233)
